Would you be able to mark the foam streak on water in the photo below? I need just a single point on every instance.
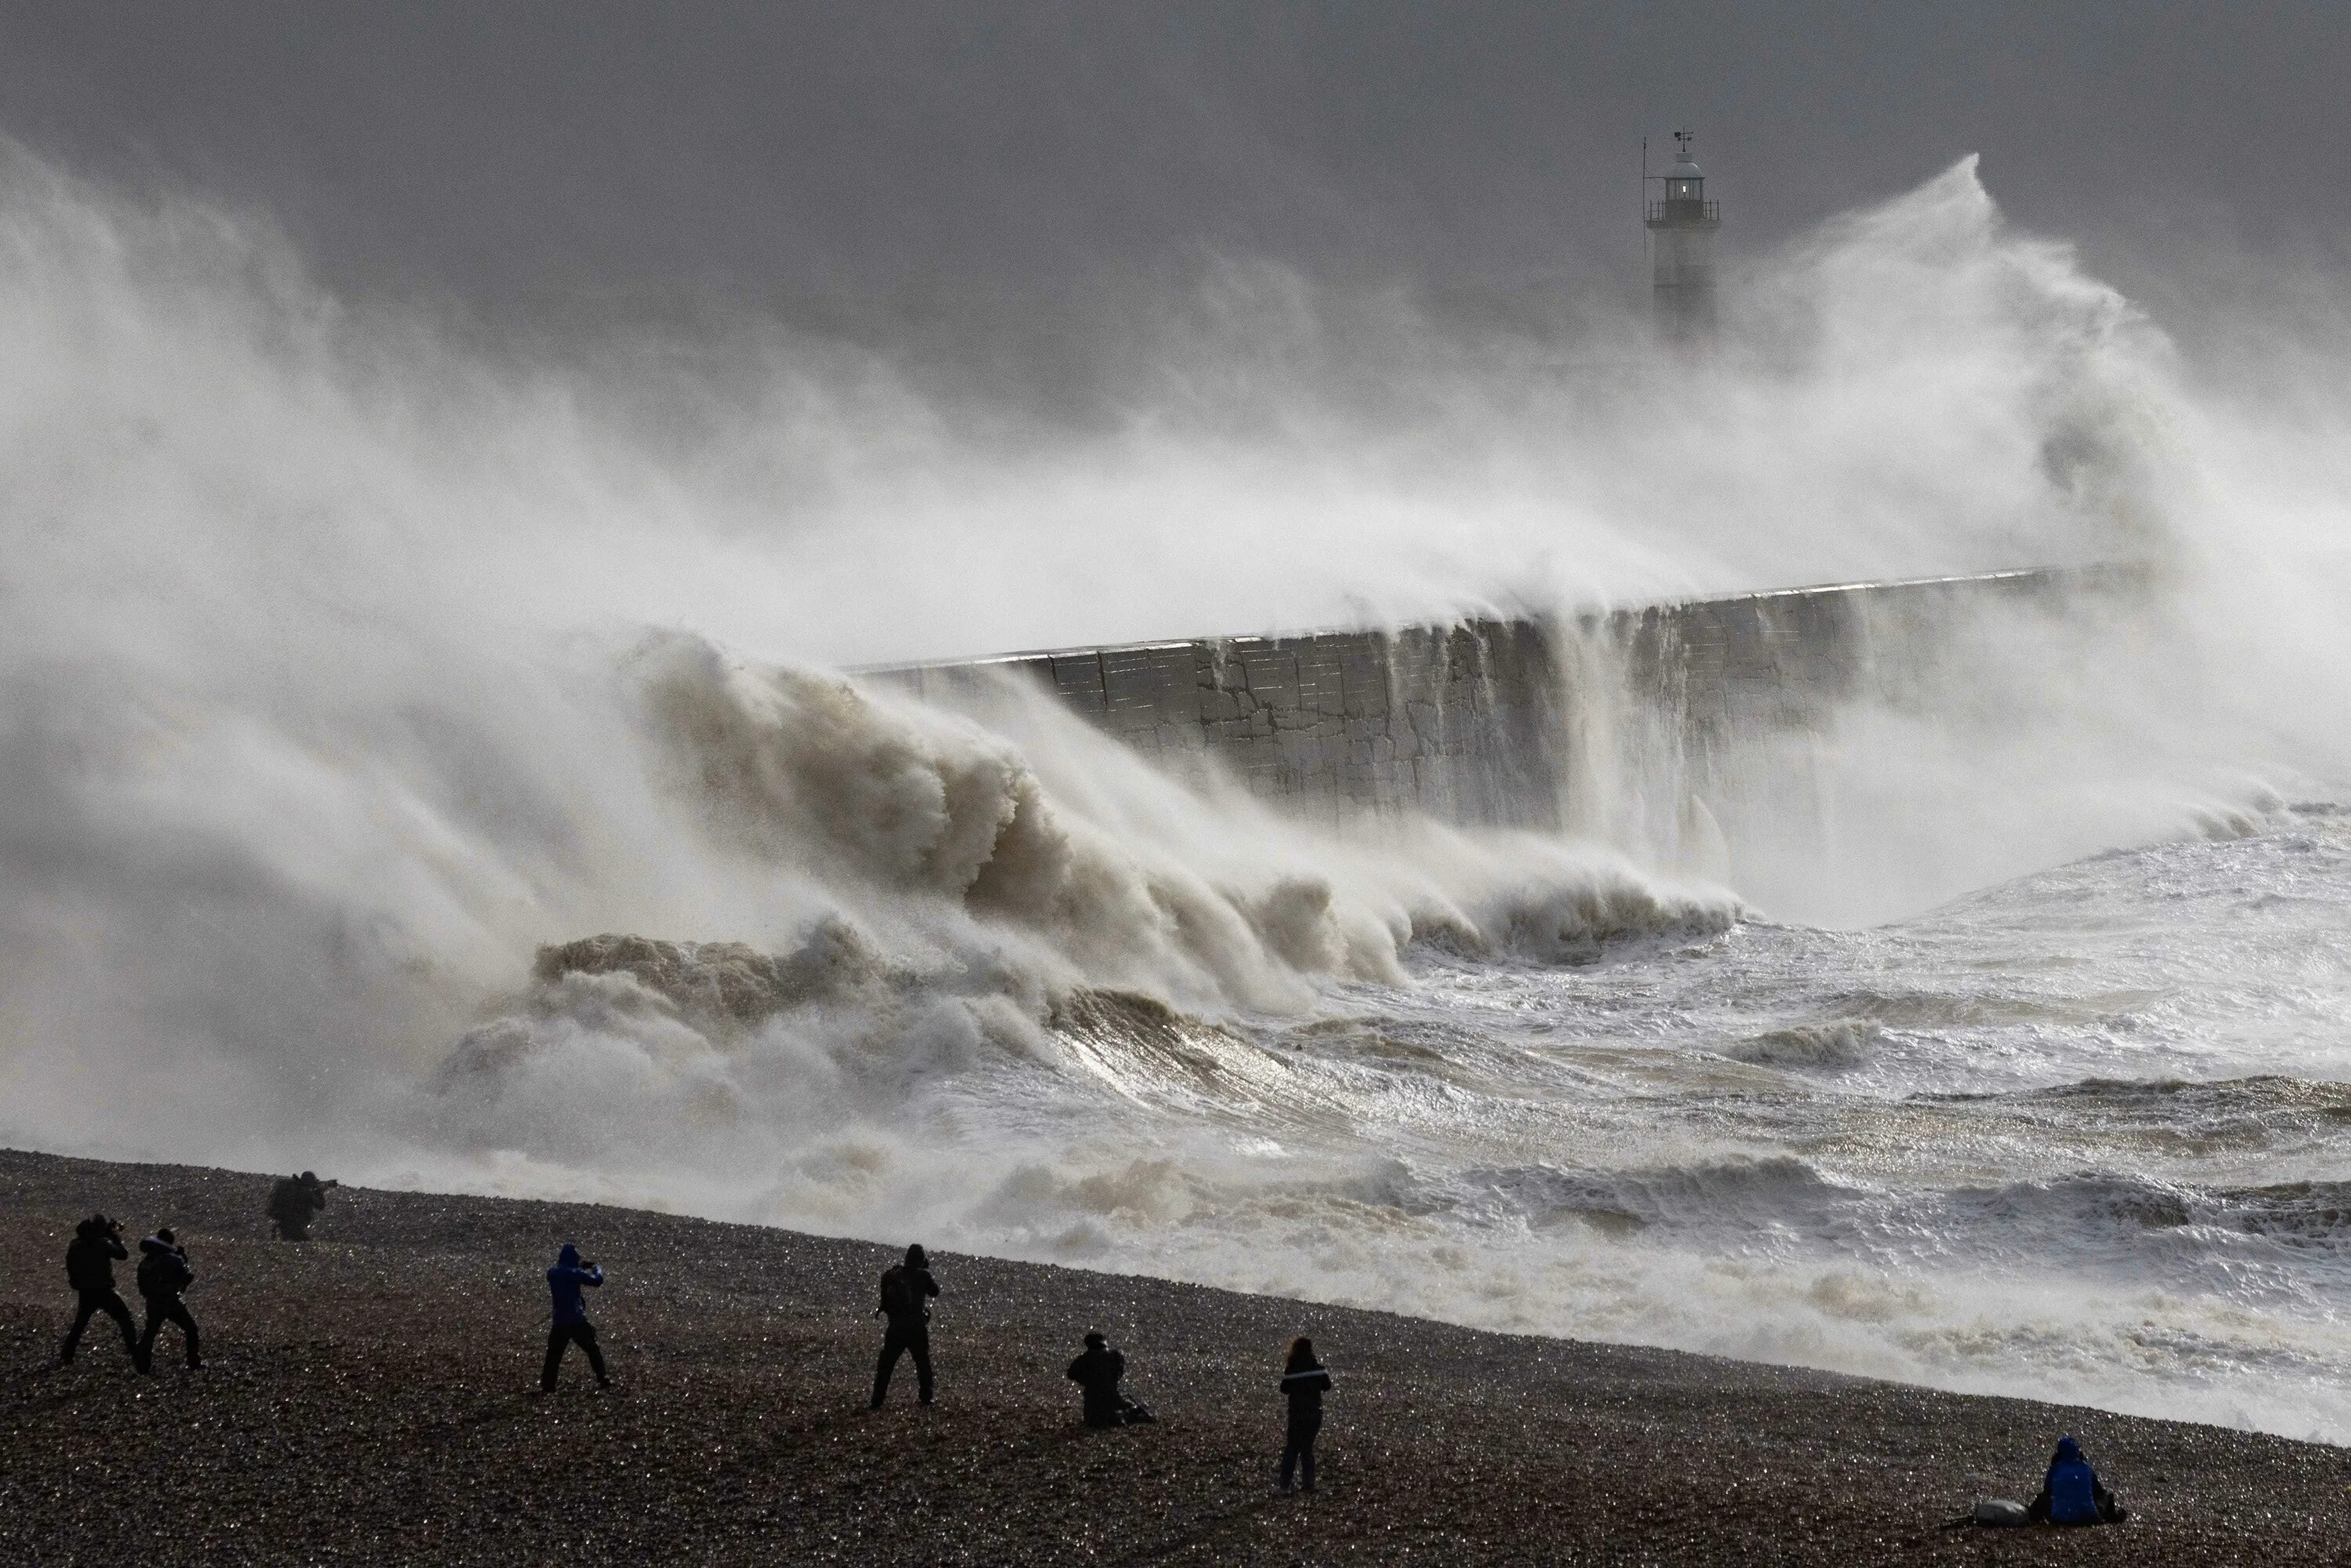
(409, 772)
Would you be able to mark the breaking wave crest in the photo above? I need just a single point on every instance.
(981, 912)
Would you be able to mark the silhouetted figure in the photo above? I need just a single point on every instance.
(164, 1272)
(1303, 1382)
(1097, 1372)
(2071, 1493)
(294, 1200)
(90, 1258)
(906, 1292)
(570, 1325)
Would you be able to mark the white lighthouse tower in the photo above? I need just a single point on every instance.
(1681, 229)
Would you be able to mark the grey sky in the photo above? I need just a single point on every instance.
(866, 164)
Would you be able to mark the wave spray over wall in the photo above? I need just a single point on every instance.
(430, 763)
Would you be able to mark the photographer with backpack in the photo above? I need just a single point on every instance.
(164, 1272)
(906, 1292)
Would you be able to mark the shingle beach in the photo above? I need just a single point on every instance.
(372, 1396)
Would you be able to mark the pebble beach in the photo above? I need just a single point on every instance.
(371, 1396)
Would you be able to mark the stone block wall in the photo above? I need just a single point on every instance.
(1482, 723)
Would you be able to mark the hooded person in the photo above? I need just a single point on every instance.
(165, 1273)
(2071, 1493)
(90, 1258)
(294, 1200)
(1097, 1372)
(569, 1323)
(908, 1289)
(1303, 1384)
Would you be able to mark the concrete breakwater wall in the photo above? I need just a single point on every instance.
(1493, 722)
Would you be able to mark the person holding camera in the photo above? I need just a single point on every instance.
(90, 1258)
(1097, 1372)
(164, 1272)
(571, 1326)
(908, 1289)
(294, 1200)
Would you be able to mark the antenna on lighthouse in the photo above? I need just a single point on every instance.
(1681, 256)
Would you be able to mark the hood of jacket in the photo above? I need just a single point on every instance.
(2069, 1452)
(569, 1258)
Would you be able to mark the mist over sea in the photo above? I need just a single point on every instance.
(355, 651)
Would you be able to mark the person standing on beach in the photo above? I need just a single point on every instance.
(90, 1258)
(570, 1325)
(294, 1200)
(1303, 1384)
(906, 1292)
(164, 1272)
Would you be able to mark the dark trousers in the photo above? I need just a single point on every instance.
(563, 1335)
(111, 1303)
(1298, 1453)
(903, 1339)
(161, 1309)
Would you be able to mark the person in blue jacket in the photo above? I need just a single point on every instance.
(2071, 1493)
(564, 1282)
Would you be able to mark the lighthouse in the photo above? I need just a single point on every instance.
(1681, 227)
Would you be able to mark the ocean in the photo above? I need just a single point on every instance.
(418, 771)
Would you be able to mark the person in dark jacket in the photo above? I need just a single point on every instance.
(1097, 1372)
(90, 1258)
(2071, 1493)
(1303, 1384)
(570, 1325)
(294, 1200)
(164, 1272)
(907, 1289)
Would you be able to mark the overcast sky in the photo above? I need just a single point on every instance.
(868, 164)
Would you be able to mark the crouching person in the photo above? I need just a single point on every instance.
(165, 1273)
(2071, 1493)
(1097, 1372)
(570, 1325)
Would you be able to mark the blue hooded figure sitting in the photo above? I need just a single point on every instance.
(570, 1322)
(2071, 1493)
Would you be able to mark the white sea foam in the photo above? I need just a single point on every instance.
(406, 762)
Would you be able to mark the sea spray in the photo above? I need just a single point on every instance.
(331, 704)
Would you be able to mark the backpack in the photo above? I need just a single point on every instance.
(898, 1300)
(163, 1274)
(89, 1266)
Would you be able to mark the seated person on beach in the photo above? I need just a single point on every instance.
(1098, 1372)
(2070, 1493)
